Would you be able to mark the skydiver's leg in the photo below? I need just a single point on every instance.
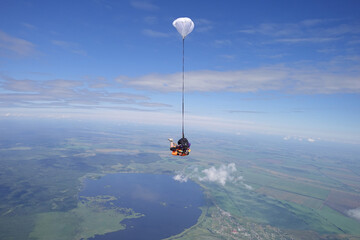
(172, 144)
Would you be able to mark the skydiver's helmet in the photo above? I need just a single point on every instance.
(183, 143)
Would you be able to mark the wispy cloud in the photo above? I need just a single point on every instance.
(156, 34)
(29, 26)
(222, 42)
(342, 29)
(203, 25)
(70, 93)
(70, 46)
(144, 5)
(300, 139)
(277, 56)
(354, 41)
(208, 81)
(20, 85)
(151, 20)
(272, 29)
(228, 56)
(310, 40)
(306, 31)
(118, 113)
(243, 111)
(297, 80)
(14, 45)
(314, 22)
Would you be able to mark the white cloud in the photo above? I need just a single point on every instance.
(20, 85)
(354, 213)
(298, 80)
(69, 93)
(239, 178)
(306, 31)
(220, 175)
(180, 178)
(248, 187)
(300, 138)
(207, 81)
(15, 45)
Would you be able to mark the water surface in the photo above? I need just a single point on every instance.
(169, 206)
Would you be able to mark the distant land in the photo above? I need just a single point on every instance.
(254, 186)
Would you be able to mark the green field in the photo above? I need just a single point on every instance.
(89, 218)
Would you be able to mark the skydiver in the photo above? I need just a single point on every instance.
(180, 149)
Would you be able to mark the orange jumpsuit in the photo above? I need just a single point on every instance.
(180, 152)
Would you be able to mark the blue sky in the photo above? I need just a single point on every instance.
(290, 68)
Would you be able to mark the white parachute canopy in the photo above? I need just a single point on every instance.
(184, 26)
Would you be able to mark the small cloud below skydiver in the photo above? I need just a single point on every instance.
(354, 213)
(222, 175)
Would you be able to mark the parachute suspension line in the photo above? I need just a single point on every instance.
(183, 86)
(184, 26)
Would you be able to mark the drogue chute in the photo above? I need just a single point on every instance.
(184, 26)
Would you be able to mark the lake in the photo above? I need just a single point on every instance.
(168, 205)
